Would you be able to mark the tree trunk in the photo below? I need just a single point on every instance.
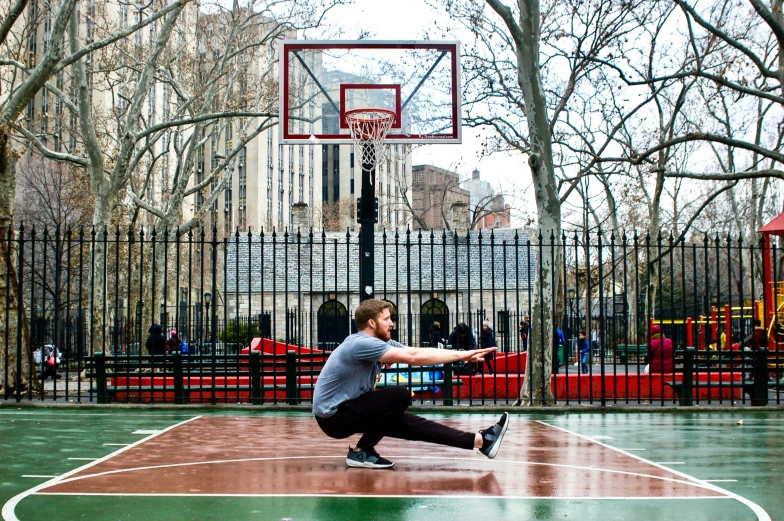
(15, 370)
(98, 303)
(526, 34)
(536, 389)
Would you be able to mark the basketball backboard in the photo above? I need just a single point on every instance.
(418, 80)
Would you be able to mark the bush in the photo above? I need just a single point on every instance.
(236, 332)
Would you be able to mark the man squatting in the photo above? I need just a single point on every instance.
(345, 402)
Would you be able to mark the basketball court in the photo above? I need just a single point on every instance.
(255, 464)
(162, 465)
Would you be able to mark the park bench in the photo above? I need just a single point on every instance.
(748, 371)
(625, 351)
(183, 376)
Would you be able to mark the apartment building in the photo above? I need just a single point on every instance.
(436, 197)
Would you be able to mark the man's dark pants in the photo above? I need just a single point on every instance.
(383, 413)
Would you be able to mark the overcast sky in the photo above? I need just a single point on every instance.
(408, 20)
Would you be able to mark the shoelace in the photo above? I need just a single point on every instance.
(372, 452)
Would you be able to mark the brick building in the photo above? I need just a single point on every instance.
(436, 195)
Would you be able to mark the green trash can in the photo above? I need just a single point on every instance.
(561, 355)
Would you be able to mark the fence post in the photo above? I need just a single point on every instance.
(292, 397)
(100, 377)
(255, 378)
(179, 387)
(760, 397)
(687, 383)
(448, 391)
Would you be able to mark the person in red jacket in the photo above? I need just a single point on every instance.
(660, 354)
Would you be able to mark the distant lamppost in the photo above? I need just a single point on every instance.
(570, 294)
(163, 314)
(207, 299)
(139, 322)
(39, 327)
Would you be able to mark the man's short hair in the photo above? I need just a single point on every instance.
(369, 310)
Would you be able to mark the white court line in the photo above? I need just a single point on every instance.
(659, 421)
(758, 510)
(393, 456)
(36, 476)
(601, 437)
(34, 411)
(380, 496)
(10, 506)
(146, 431)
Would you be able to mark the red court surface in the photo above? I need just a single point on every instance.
(259, 456)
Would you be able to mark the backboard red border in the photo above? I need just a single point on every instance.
(380, 86)
(451, 47)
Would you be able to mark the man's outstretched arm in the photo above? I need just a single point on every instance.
(432, 356)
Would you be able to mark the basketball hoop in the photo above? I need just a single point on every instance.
(369, 128)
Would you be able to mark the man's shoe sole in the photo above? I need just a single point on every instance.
(497, 444)
(367, 465)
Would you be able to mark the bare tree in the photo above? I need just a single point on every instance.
(178, 110)
(28, 72)
(337, 216)
(50, 194)
(506, 77)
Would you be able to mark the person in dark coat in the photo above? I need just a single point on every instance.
(756, 340)
(487, 339)
(435, 335)
(156, 342)
(525, 329)
(461, 338)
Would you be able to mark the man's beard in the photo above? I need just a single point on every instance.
(383, 333)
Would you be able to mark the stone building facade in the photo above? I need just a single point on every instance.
(427, 276)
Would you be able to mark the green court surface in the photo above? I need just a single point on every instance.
(738, 466)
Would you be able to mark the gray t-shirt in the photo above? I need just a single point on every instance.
(350, 372)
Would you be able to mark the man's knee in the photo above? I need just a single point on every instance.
(399, 397)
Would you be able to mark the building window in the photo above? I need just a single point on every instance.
(242, 182)
(199, 174)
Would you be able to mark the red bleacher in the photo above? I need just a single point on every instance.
(505, 384)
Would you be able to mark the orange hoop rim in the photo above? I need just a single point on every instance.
(353, 115)
(370, 123)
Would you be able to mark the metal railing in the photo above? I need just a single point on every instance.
(85, 292)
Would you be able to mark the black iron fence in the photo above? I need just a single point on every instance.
(76, 293)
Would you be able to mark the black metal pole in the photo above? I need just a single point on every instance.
(366, 217)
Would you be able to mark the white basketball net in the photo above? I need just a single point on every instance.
(369, 128)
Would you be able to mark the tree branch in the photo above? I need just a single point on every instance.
(13, 14)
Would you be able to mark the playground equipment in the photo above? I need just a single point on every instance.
(711, 330)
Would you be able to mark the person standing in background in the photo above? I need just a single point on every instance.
(436, 339)
(487, 339)
(584, 348)
(525, 328)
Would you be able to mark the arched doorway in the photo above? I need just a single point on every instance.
(333, 325)
(434, 310)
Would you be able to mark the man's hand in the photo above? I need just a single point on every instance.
(478, 355)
